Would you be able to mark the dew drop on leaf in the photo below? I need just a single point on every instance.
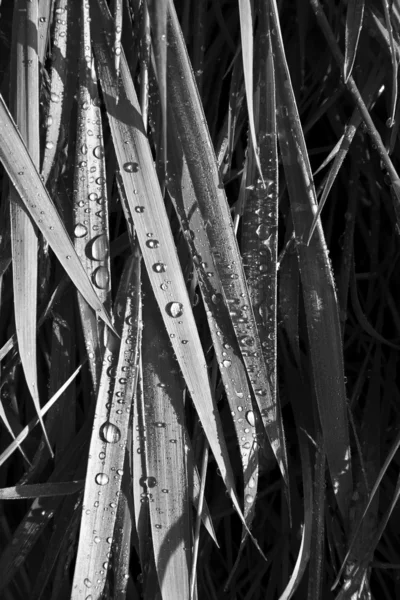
(159, 267)
(250, 418)
(87, 582)
(101, 479)
(101, 277)
(249, 499)
(80, 230)
(131, 167)
(110, 433)
(174, 309)
(98, 152)
(152, 244)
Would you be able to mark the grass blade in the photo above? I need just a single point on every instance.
(354, 23)
(317, 281)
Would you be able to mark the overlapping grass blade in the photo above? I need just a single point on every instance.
(392, 112)
(317, 281)
(22, 172)
(148, 213)
(24, 241)
(247, 38)
(90, 212)
(41, 490)
(166, 486)
(354, 24)
(214, 210)
(109, 437)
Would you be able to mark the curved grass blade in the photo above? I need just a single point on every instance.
(108, 443)
(354, 23)
(117, 14)
(90, 214)
(43, 27)
(24, 241)
(386, 10)
(215, 213)
(247, 38)
(320, 301)
(147, 210)
(30, 187)
(166, 485)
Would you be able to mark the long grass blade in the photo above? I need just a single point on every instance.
(318, 285)
(354, 23)
(214, 210)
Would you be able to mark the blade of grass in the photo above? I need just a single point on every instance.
(354, 23)
(214, 210)
(24, 242)
(317, 280)
(166, 484)
(40, 490)
(108, 442)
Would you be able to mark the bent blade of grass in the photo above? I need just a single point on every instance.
(109, 437)
(147, 210)
(214, 210)
(354, 23)
(166, 484)
(320, 301)
(90, 206)
(393, 57)
(24, 242)
(26, 180)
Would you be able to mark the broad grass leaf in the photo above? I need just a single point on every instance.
(109, 437)
(317, 282)
(24, 242)
(166, 485)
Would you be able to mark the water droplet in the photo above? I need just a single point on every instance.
(249, 499)
(93, 196)
(54, 97)
(139, 209)
(159, 424)
(252, 482)
(101, 277)
(49, 121)
(152, 244)
(101, 478)
(174, 309)
(216, 298)
(164, 287)
(250, 418)
(226, 363)
(98, 152)
(109, 540)
(164, 491)
(110, 433)
(151, 482)
(98, 249)
(84, 149)
(49, 145)
(159, 267)
(246, 445)
(131, 167)
(87, 582)
(97, 540)
(157, 526)
(80, 230)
